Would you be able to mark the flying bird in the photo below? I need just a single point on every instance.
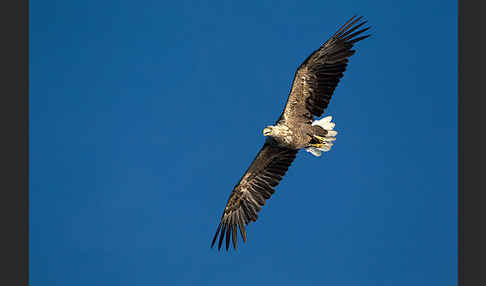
(312, 88)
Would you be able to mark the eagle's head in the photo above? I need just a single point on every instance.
(268, 131)
(276, 131)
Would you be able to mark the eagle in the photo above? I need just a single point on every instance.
(312, 88)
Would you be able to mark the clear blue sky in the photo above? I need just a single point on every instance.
(144, 115)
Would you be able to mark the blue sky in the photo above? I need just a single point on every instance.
(144, 114)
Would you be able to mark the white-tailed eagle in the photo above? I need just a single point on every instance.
(312, 88)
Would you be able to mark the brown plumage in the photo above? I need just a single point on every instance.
(317, 77)
(313, 86)
(256, 186)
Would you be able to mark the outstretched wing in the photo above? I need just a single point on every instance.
(317, 77)
(249, 195)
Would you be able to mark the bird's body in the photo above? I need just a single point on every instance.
(297, 136)
(312, 88)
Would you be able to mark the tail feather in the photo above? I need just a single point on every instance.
(314, 151)
(325, 123)
(326, 142)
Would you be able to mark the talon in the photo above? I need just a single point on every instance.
(318, 146)
(324, 139)
(321, 139)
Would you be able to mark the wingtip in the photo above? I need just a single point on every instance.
(347, 37)
(235, 237)
(215, 235)
(221, 236)
(353, 41)
(344, 25)
(228, 236)
(350, 26)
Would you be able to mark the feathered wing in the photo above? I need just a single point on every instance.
(312, 88)
(317, 77)
(249, 195)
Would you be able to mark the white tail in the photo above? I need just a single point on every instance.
(326, 124)
(314, 151)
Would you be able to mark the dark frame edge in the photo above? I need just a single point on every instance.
(472, 158)
(14, 209)
(460, 189)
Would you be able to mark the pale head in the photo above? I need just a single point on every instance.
(267, 131)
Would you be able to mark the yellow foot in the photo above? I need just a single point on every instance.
(319, 146)
(321, 139)
(324, 140)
